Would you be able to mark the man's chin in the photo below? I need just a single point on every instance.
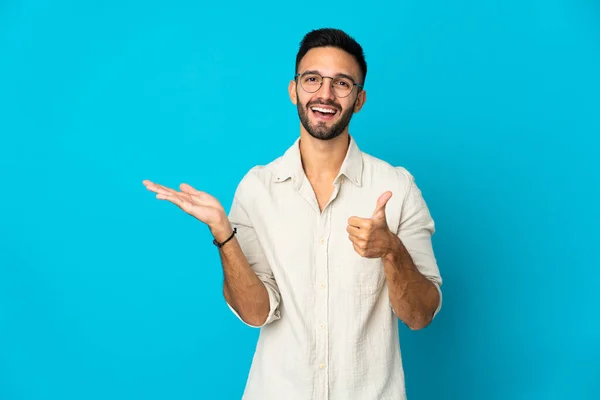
(323, 124)
(323, 135)
(322, 130)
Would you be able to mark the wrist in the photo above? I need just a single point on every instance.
(221, 229)
(394, 248)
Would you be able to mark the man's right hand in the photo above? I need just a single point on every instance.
(199, 205)
(244, 291)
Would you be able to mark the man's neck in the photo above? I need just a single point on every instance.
(322, 159)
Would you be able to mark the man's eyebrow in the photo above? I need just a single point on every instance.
(339, 75)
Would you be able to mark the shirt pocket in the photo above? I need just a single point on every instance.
(363, 276)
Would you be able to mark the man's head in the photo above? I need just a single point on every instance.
(327, 88)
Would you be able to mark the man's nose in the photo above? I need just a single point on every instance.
(326, 89)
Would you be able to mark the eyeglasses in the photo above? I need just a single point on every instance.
(342, 85)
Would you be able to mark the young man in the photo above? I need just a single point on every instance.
(324, 246)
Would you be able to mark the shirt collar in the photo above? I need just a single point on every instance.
(291, 165)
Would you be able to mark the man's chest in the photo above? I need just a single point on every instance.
(309, 249)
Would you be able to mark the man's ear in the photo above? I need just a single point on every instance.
(360, 101)
(292, 91)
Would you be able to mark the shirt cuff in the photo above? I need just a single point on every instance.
(437, 286)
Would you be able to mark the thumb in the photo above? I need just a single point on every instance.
(381, 203)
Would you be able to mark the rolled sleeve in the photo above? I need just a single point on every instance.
(252, 249)
(439, 307)
(274, 313)
(415, 230)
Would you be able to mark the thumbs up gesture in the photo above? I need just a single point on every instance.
(371, 237)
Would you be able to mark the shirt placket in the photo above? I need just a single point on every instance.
(322, 297)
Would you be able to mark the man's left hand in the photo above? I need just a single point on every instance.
(371, 237)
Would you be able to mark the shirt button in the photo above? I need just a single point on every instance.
(321, 326)
(322, 241)
(322, 286)
(322, 366)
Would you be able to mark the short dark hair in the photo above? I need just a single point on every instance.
(329, 37)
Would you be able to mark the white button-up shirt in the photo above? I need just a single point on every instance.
(331, 332)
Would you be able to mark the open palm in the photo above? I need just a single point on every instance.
(198, 204)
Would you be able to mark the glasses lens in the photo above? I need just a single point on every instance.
(311, 82)
(342, 87)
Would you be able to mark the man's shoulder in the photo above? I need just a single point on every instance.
(377, 166)
(262, 173)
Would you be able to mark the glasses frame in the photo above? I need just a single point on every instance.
(354, 84)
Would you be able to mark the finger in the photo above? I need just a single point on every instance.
(156, 188)
(150, 185)
(358, 250)
(362, 223)
(201, 213)
(199, 197)
(356, 232)
(179, 201)
(182, 196)
(173, 191)
(190, 190)
(358, 242)
(381, 203)
(353, 239)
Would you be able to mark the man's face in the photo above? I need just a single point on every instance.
(324, 114)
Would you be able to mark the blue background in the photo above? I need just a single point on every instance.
(108, 293)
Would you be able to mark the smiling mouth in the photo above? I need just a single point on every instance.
(324, 113)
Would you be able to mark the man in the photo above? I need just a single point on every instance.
(324, 246)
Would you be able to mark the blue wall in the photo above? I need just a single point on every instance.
(108, 293)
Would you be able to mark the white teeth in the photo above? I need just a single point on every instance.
(324, 110)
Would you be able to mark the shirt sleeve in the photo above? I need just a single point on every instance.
(415, 230)
(252, 249)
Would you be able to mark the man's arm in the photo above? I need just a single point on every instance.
(409, 264)
(413, 297)
(249, 285)
(242, 288)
